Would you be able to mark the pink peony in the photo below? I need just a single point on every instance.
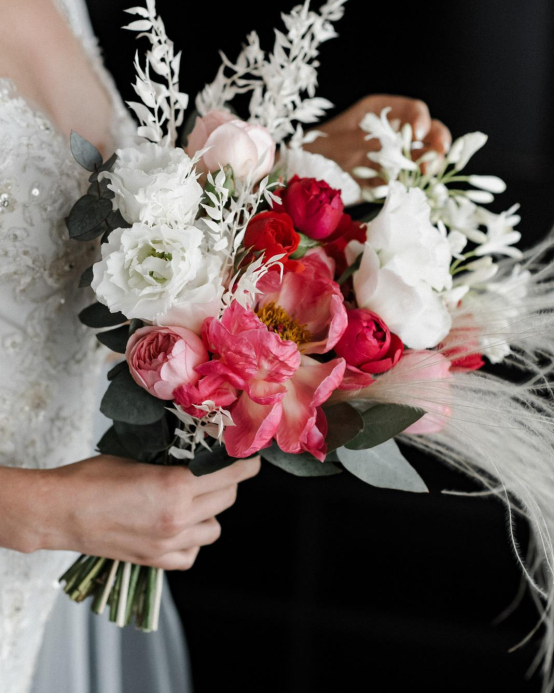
(315, 208)
(230, 141)
(282, 390)
(307, 305)
(163, 358)
(430, 370)
(212, 388)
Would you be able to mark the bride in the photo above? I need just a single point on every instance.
(54, 498)
(52, 81)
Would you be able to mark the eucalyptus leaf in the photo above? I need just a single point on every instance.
(106, 166)
(84, 152)
(209, 461)
(116, 340)
(126, 401)
(382, 422)
(383, 466)
(110, 444)
(86, 278)
(303, 247)
(113, 372)
(116, 220)
(299, 465)
(99, 315)
(87, 216)
(135, 325)
(142, 441)
(344, 424)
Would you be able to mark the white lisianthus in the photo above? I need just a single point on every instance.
(159, 274)
(306, 165)
(155, 185)
(404, 267)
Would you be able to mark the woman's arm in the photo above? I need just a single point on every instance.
(117, 508)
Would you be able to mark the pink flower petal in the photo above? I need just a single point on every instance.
(255, 426)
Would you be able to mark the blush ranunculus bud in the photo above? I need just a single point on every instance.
(314, 207)
(244, 146)
(367, 343)
(163, 358)
(273, 233)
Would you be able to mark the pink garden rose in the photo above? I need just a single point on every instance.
(368, 344)
(311, 301)
(163, 358)
(430, 371)
(231, 141)
(316, 209)
(282, 390)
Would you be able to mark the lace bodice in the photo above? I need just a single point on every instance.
(48, 360)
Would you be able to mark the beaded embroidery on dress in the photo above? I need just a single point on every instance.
(47, 364)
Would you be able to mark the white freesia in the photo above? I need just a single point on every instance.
(155, 185)
(464, 148)
(391, 155)
(404, 266)
(500, 236)
(159, 274)
(306, 165)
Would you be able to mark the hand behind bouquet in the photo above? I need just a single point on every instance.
(345, 141)
(113, 507)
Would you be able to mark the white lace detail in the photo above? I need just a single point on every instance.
(48, 360)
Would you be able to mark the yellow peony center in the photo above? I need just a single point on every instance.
(279, 321)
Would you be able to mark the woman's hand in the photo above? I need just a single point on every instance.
(345, 141)
(113, 507)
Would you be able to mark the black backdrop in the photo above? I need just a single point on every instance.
(323, 585)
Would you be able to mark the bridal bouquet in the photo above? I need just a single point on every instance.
(255, 315)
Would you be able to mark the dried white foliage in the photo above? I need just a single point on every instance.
(283, 83)
(163, 105)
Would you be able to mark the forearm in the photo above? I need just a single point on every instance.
(23, 522)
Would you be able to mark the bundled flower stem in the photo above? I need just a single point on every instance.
(130, 592)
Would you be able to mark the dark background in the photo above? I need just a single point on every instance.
(326, 584)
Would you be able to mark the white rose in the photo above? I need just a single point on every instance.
(155, 185)
(159, 274)
(306, 165)
(404, 266)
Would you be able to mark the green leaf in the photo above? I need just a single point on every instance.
(85, 220)
(99, 315)
(370, 216)
(141, 442)
(344, 423)
(303, 247)
(110, 444)
(100, 189)
(349, 271)
(86, 278)
(383, 466)
(116, 220)
(209, 461)
(106, 166)
(303, 464)
(84, 152)
(126, 401)
(116, 340)
(135, 325)
(113, 372)
(188, 127)
(382, 422)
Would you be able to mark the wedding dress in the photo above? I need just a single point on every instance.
(49, 362)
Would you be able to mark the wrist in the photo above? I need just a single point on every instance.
(22, 520)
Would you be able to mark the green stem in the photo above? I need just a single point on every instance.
(135, 571)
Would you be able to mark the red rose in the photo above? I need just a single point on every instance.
(315, 208)
(273, 233)
(367, 343)
(335, 244)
